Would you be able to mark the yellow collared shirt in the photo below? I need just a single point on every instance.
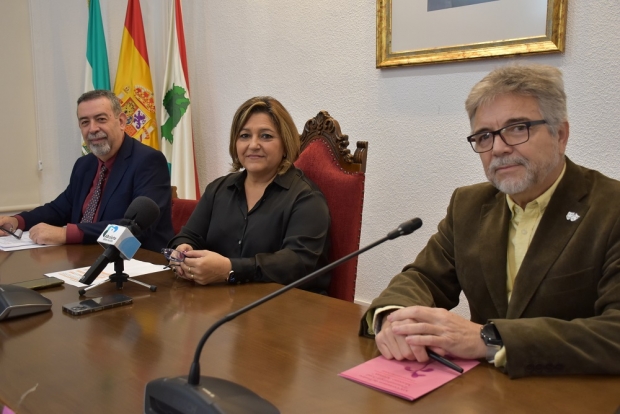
(522, 227)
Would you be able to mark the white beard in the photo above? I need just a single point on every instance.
(534, 172)
(99, 150)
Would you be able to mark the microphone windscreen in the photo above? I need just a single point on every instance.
(407, 227)
(143, 212)
(410, 226)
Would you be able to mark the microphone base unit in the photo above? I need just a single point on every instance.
(210, 396)
(119, 277)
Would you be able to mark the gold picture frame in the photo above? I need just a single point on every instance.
(553, 39)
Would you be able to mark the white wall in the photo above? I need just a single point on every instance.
(19, 176)
(321, 55)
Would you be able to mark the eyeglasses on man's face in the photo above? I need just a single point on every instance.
(513, 134)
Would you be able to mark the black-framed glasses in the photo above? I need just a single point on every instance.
(173, 255)
(513, 134)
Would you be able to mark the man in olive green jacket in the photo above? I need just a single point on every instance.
(536, 251)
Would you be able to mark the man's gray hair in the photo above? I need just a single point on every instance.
(542, 82)
(102, 93)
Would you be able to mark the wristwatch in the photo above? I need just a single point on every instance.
(492, 339)
(235, 279)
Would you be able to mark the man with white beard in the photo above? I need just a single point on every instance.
(536, 251)
(102, 184)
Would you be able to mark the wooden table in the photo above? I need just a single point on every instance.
(289, 351)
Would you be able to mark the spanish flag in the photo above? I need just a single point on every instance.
(133, 84)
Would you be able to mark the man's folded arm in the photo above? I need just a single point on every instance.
(549, 346)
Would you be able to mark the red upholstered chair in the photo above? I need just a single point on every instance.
(327, 161)
(181, 210)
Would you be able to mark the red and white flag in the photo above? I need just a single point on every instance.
(177, 141)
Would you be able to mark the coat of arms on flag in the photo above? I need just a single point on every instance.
(138, 104)
(133, 85)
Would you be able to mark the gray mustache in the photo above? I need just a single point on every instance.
(98, 135)
(500, 162)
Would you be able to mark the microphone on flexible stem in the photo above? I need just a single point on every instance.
(141, 213)
(196, 394)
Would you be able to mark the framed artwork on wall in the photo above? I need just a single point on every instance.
(418, 32)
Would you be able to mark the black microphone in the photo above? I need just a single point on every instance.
(196, 394)
(139, 216)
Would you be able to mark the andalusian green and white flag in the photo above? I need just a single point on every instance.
(97, 71)
(177, 141)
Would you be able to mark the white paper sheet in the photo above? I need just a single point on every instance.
(11, 244)
(133, 268)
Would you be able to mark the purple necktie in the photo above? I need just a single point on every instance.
(89, 214)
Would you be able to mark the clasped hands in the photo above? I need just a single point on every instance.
(407, 332)
(202, 266)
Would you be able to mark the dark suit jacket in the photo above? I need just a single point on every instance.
(138, 170)
(564, 313)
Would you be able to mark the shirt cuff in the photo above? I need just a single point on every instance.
(500, 358)
(74, 234)
(21, 223)
(374, 323)
(245, 269)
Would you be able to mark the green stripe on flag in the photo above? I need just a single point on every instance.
(96, 51)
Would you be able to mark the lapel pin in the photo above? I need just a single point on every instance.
(572, 216)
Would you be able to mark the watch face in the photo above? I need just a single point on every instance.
(490, 335)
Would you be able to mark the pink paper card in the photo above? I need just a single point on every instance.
(405, 379)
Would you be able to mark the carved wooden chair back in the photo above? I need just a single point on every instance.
(326, 159)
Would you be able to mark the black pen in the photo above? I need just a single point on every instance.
(17, 233)
(444, 361)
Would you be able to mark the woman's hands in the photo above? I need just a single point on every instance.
(202, 266)
(176, 266)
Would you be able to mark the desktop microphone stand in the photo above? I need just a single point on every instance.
(119, 277)
(209, 395)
